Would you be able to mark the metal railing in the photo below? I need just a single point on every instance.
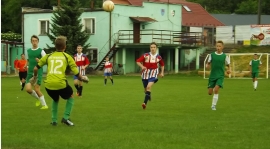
(160, 36)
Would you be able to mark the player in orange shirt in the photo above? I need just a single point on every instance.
(22, 68)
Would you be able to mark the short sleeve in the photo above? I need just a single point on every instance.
(43, 60)
(227, 60)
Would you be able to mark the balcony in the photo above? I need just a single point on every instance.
(161, 37)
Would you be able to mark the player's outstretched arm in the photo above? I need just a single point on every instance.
(162, 71)
(74, 69)
(41, 63)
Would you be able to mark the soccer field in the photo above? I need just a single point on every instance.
(111, 117)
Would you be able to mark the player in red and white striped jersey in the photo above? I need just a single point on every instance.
(149, 65)
(82, 62)
(108, 69)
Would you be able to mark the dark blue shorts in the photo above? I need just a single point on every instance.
(107, 74)
(146, 81)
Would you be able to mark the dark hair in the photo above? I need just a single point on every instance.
(255, 54)
(219, 41)
(60, 43)
(34, 36)
(153, 43)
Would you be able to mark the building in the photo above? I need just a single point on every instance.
(125, 33)
(240, 19)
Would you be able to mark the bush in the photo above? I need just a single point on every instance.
(10, 36)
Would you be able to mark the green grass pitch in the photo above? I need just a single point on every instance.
(111, 117)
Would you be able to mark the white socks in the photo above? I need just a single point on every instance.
(34, 94)
(42, 100)
(255, 84)
(215, 99)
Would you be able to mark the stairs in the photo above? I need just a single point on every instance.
(110, 54)
(192, 65)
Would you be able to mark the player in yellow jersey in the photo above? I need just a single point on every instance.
(56, 83)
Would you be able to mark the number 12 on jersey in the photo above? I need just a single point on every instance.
(55, 65)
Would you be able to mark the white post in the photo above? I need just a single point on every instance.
(197, 59)
(168, 61)
(233, 70)
(124, 60)
(157, 50)
(267, 65)
(230, 75)
(176, 61)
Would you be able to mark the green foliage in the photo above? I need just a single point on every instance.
(247, 7)
(10, 36)
(66, 22)
(234, 6)
(11, 11)
(110, 117)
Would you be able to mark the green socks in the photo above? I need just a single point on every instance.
(69, 105)
(54, 111)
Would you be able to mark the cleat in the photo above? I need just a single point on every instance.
(214, 108)
(255, 89)
(37, 103)
(143, 105)
(67, 122)
(53, 123)
(44, 107)
(78, 94)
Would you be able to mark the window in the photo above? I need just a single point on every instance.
(43, 27)
(186, 8)
(92, 55)
(90, 25)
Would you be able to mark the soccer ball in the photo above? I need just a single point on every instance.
(85, 79)
(108, 6)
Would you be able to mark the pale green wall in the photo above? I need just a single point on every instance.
(120, 21)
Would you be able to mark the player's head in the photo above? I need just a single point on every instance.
(60, 43)
(255, 56)
(153, 48)
(34, 41)
(107, 58)
(22, 56)
(79, 49)
(219, 45)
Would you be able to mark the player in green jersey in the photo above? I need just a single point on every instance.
(217, 61)
(254, 66)
(56, 83)
(34, 54)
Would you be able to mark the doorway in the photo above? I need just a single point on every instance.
(136, 32)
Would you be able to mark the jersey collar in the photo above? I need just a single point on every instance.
(152, 54)
(35, 49)
(218, 54)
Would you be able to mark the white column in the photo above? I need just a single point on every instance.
(158, 50)
(124, 60)
(176, 62)
(197, 59)
(168, 62)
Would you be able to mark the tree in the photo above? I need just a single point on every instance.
(66, 22)
(247, 7)
(11, 12)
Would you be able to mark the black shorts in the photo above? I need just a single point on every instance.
(65, 93)
(23, 75)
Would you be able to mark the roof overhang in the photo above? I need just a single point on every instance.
(142, 19)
